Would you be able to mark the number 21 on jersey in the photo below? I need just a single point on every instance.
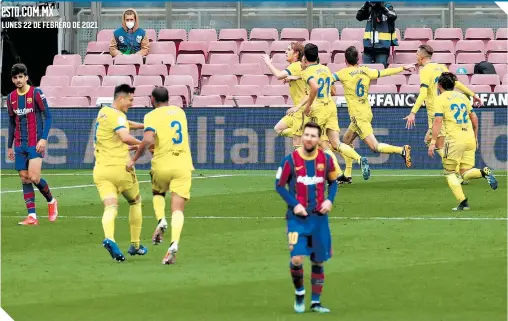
(321, 91)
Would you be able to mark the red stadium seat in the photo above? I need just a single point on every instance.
(414, 80)
(185, 80)
(275, 81)
(97, 47)
(215, 69)
(453, 34)
(495, 46)
(502, 34)
(222, 47)
(128, 60)
(147, 80)
(258, 47)
(383, 89)
(104, 91)
(501, 89)
(241, 101)
(339, 89)
(409, 89)
(91, 70)
(470, 46)
(422, 34)
(176, 101)
(352, 34)
(80, 81)
(444, 58)
(470, 58)
(157, 59)
(153, 70)
(73, 102)
(279, 58)
(105, 60)
(122, 70)
(234, 35)
(267, 101)
(501, 69)
(240, 90)
(505, 79)
(141, 101)
(206, 101)
(62, 81)
(193, 47)
(179, 90)
(324, 34)
(116, 80)
(397, 80)
(220, 90)
(255, 80)
(79, 91)
(52, 91)
(279, 47)
(205, 35)
(174, 35)
(191, 70)
(59, 70)
(163, 47)
(405, 58)
(227, 80)
(407, 73)
(67, 60)
(105, 35)
(228, 59)
(196, 59)
(484, 34)
(336, 66)
(276, 90)
(294, 34)
(266, 34)
(245, 69)
(468, 67)
(491, 80)
(323, 46)
(463, 79)
(442, 45)
(408, 46)
(151, 34)
(480, 88)
(497, 58)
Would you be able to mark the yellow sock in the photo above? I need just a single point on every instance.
(335, 161)
(288, 132)
(159, 206)
(389, 149)
(440, 152)
(454, 184)
(176, 225)
(135, 222)
(349, 167)
(473, 173)
(108, 221)
(348, 151)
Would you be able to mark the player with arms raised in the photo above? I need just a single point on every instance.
(307, 171)
(172, 167)
(111, 142)
(356, 81)
(453, 112)
(29, 125)
(323, 110)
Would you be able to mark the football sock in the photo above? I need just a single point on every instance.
(135, 222)
(440, 152)
(44, 189)
(297, 276)
(348, 151)
(389, 149)
(29, 196)
(454, 184)
(473, 173)
(317, 281)
(108, 221)
(288, 132)
(176, 225)
(159, 206)
(349, 166)
(335, 161)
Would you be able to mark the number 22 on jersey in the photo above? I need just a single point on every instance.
(462, 109)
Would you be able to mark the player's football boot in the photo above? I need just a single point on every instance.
(159, 231)
(53, 210)
(406, 154)
(489, 176)
(463, 206)
(299, 304)
(342, 180)
(170, 257)
(317, 307)
(141, 250)
(364, 163)
(113, 250)
(29, 220)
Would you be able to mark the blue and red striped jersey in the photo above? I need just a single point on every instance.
(30, 118)
(307, 180)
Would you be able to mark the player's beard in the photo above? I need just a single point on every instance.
(310, 150)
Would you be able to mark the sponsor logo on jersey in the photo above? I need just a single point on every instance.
(306, 180)
(24, 111)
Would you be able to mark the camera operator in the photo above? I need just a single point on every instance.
(380, 33)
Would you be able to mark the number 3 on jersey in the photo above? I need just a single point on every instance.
(458, 110)
(178, 126)
(321, 82)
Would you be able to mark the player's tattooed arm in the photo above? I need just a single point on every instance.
(135, 125)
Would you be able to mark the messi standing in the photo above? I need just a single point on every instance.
(307, 171)
(30, 122)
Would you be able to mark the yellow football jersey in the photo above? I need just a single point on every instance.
(109, 149)
(296, 87)
(172, 148)
(455, 108)
(429, 76)
(323, 76)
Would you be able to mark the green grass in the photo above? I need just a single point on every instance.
(236, 267)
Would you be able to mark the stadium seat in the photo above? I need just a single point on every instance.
(179, 90)
(502, 34)
(255, 80)
(324, 34)
(246, 69)
(444, 58)
(404, 72)
(163, 47)
(336, 66)
(250, 47)
(352, 34)
(136, 60)
(405, 58)
(501, 69)
(275, 81)
(157, 59)
(409, 89)
(442, 45)
(408, 46)
(79, 91)
(214, 69)
(501, 89)
(469, 46)
(105, 35)
(491, 80)
(497, 58)
(220, 90)
(383, 89)
(266, 34)
(222, 47)
(141, 101)
(91, 70)
(227, 80)
(241, 90)
(279, 47)
(253, 58)
(153, 70)
(206, 101)
(463, 79)
(484, 34)
(185, 80)
(240, 101)
(470, 58)
(62, 81)
(340, 58)
(414, 79)
(147, 80)
(205, 35)
(323, 46)
(116, 80)
(227, 59)
(276, 90)
(60, 70)
(397, 80)
(422, 34)
(191, 70)
(52, 101)
(267, 101)
(493, 46)
(174, 35)
(97, 47)
(104, 91)
(196, 59)
(105, 60)
(235, 35)
(453, 34)
(73, 102)
(339, 89)
(455, 68)
(325, 58)
(122, 70)
(151, 34)
(67, 60)
(52, 91)
(194, 47)
(176, 101)
(294, 34)
(480, 88)
(279, 58)
(375, 66)
(80, 81)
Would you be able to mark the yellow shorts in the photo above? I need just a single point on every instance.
(460, 154)
(442, 132)
(177, 181)
(325, 115)
(114, 180)
(361, 126)
(296, 122)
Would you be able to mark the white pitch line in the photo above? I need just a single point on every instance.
(92, 185)
(262, 175)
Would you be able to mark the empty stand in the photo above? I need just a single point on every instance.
(383, 89)
(484, 34)
(480, 88)
(191, 70)
(267, 101)
(409, 89)
(105, 60)
(104, 91)
(62, 81)
(163, 47)
(185, 80)
(501, 69)
(205, 35)
(174, 35)
(83, 81)
(470, 46)
(97, 47)
(276, 90)
(228, 59)
(470, 58)
(267, 34)
(147, 80)
(60, 70)
(222, 47)
(453, 34)
(352, 34)
(52, 91)
(497, 58)
(491, 80)
(460, 68)
(502, 34)
(70, 60)
(408, 46)
(180, 91)
(206, 101)
(324, 34)
(397, 80)
(194, 47)
(422, 34)
(73, 102)
(255, 80)
(116, 80)
(442, 46)
(220, 90)
(176, 101)
(128, 60)
(294, 34)
(122, 70)
(495, 46)
(143, 90)
(91, 70)
(501, 89)
(198, 60)
(246, 69)
(151, 34)
(156, 59)
(141, 101)
(444, 58)
(105, 35)
(236, 35)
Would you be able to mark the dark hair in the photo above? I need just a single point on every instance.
(129, 13)
(19, 69)
(351, 55)
(297, 47)
(313, 125)
(447, 81)
(311, 52)
(427, 49)
(160, 95)
(123, 89)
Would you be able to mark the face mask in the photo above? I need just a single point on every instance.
(130, 24)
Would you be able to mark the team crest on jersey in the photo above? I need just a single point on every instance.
(120, 39)
(29, 100)
(320, 167)
(138, 39)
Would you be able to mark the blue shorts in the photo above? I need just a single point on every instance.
(22, 155)
(309, 236)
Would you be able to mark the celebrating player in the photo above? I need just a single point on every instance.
(323, 110)
(172, 167)
(461, 132)
(291, 125)
(307, 171)
(111, 142)
(356, 81)
(30, 122)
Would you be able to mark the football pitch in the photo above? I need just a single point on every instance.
(400, 253)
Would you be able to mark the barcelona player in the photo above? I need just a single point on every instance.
(453, 111)
(111, 142)
(172, 167)
(307, 171)
(29, 126)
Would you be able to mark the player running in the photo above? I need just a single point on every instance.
(307, 171)
(323, 110)
(172, 167)
(29, 126)
(291, 125)
(111, 143)
(356, 81)
(453, 112)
